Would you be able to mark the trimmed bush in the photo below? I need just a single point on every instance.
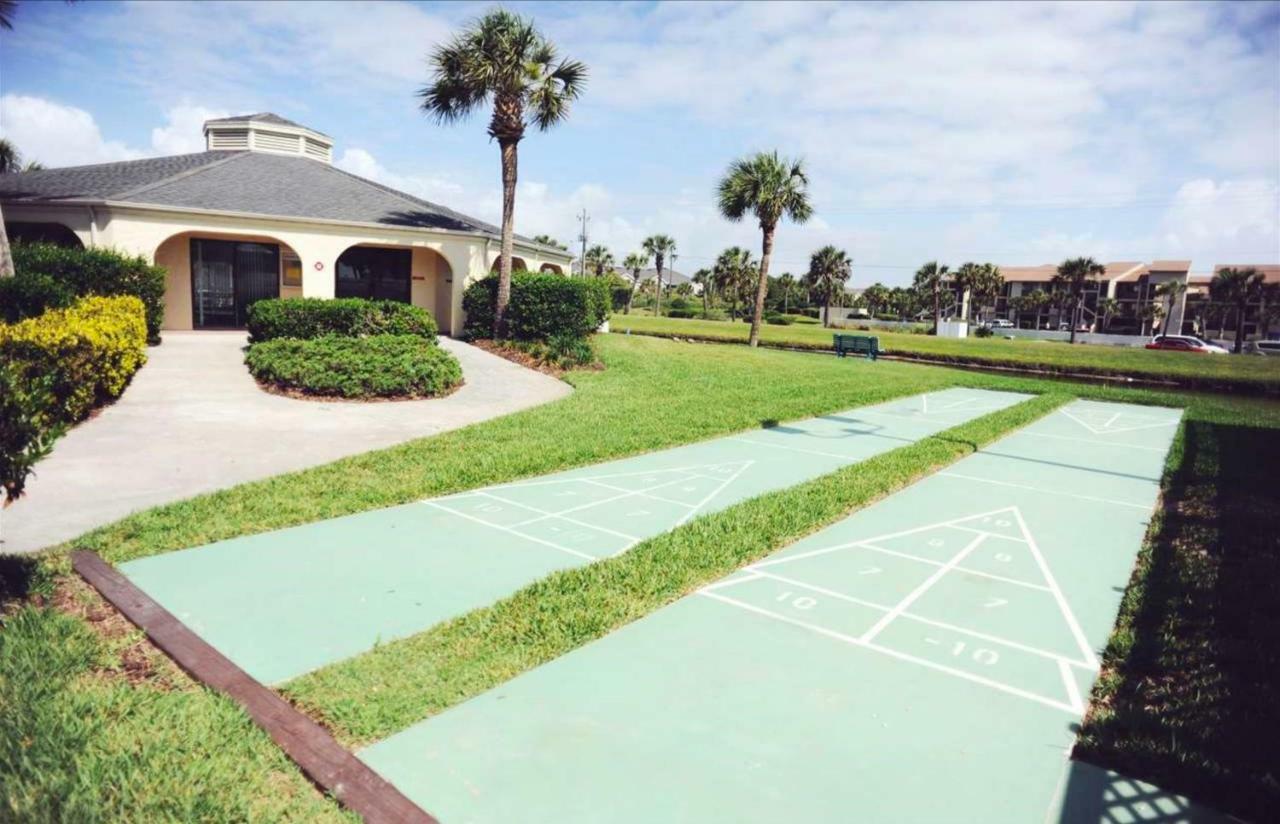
(543, 306)
(55, 368)
(102, 272)
(777, 319)
(29, 294)
(683, 312)
(378, 366)
(306, 318)
(983, 332)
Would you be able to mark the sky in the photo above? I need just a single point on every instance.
(1014, 133)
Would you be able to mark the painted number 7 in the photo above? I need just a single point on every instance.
(800, 602)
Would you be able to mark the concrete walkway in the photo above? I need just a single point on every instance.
(193, 421)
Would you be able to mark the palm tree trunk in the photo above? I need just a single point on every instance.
(826, 313)
(937, 307)
(705, 289)
(508, 148)
(631, 295)
(762, 287)
(657, 293)
(1240, 307)
(1075, 315)
(6, 258)
(785, 293)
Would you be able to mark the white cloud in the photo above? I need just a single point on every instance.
(1217, 218)
(57, 135)
(442, 190)
(183, 133)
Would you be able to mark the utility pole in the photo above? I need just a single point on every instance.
(582, 236)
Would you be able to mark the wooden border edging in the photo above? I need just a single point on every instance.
(326, 762)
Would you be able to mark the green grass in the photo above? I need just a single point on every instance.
(1247, 374)
(143, 763)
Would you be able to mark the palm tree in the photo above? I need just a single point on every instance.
(829, 270)
(769, 187)
(1072, 277)
(503, 58)
(634, 263)
(929, 281)
(733, 271)
(1237, 288)
(1170, 290)
(10, 161)
(658, 247)
(786, 282)
(8, 9)
(599, 258)
(548, 240)
(983, 283)
(877, 297)
(706, 279)
(1108, 308)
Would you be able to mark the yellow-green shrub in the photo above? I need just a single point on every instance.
(56, 368)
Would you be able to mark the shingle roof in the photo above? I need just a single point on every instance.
(1169, 266)
(252, 182)
(1118, 270)
(263, 117)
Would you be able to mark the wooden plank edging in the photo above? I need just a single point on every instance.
(326, 762)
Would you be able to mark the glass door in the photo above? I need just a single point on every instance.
(227, 276)
(375, 273)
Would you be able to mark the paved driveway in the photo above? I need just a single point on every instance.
(193, 421)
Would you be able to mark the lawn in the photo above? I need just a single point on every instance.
(1243, 373)
(108, 732)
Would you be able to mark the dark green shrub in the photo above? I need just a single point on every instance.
(97, 272)
(983, 332)
(777, 319)
(29, 425)
(562, 352)
(620, 296)
(685, 312)
(378, 366)
(306, 318)
(543, 306)
(29, 294)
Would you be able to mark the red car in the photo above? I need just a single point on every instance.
(1177, 345)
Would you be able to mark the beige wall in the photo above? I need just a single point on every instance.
(163, 236)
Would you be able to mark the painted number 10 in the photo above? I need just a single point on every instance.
(800, 602)
(981, 655)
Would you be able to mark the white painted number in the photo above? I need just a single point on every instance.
(801, 602)
(980, 655)
(995, 602)
(871, 571)
(1003, 557)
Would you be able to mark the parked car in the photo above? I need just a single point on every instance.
(1000, 323)
(1264, 347)
(1212, 348)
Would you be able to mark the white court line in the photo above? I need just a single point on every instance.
(648, 493)
(1108, 444)
(1133, 428)
(1073, 689)
(706, 499)
(1144, 507)
(547, 516)
(552, 481)
(963, 569)
(848, 639)
(988, 534)
(1043, 653)
(924, 587)
(535, 539)
(798, 449)
(887, 536)
(1111, 420)
(1063, 606)
(630, 493)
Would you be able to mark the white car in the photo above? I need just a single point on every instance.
(1194, 342)
(1265, 347)
(1000, 323)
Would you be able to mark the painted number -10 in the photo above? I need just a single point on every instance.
(981, 655)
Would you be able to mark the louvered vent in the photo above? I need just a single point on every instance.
(229, 140)
(276, 141)
(318, 150)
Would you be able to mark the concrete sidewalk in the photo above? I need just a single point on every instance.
(193, 421)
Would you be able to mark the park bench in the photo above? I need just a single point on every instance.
(866, 345)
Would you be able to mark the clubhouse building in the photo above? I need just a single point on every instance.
(262, 212)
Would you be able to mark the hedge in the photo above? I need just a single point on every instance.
(378, 366)
(56, 368)
(543, 306)
(306, 318)
(86, 272)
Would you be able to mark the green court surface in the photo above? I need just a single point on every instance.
(924, 660)
(283, 603)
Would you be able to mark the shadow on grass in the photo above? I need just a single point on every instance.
(1189, 698)
(18, 576)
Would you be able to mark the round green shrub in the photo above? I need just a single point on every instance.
(543, 305)
(29, 294)
(306, 318)
(378, 366)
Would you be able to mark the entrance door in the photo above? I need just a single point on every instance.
(227, 276)
(378, 274)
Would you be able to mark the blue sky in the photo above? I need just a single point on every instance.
(1016, 133)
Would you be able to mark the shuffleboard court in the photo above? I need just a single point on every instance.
(923, 660)
(283, 603)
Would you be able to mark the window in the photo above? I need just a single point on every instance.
(378, 274)
(290, 268)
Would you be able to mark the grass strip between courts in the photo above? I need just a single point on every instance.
(371, 696)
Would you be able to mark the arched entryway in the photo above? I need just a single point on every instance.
(517, 264)
(414, 275)
(552, 268)
(212, 279)
(22, 231)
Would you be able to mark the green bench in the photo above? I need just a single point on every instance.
(866, 345)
